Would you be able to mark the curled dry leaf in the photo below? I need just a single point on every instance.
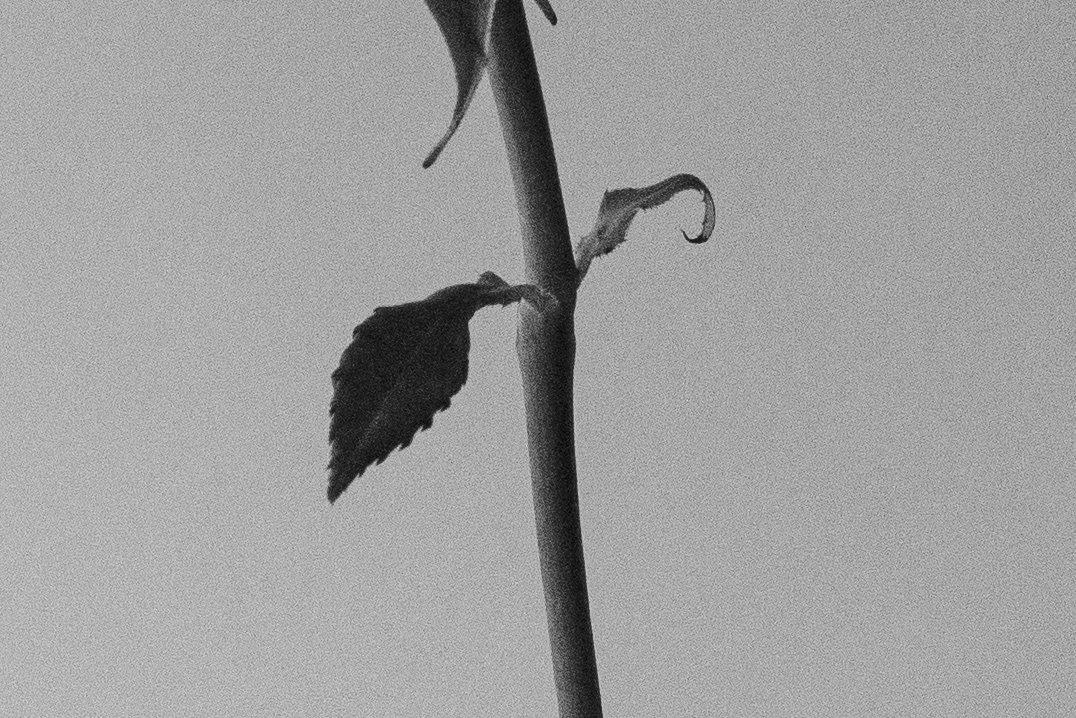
(619, 207)
(465, 25)
(404, 364)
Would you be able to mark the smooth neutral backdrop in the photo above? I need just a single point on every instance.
(825, 459)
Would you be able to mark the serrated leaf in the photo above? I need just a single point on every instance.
(619, 207)
(465, 25)
(404, 364)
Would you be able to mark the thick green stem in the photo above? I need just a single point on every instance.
(546, 347)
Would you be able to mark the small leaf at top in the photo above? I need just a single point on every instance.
(404, 364)
(619, 207)
(465, 25)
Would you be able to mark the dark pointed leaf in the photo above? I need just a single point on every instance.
(465, 25)
(619, 207)
(547, 10)
(404, 364)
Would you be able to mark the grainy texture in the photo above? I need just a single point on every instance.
(546, 346)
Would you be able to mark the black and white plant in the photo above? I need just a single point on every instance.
(406, 362)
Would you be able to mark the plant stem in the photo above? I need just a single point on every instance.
(546, 347)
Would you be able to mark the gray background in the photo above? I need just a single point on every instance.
(825, 459)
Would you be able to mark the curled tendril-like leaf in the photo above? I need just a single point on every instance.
(619, 207)
(465, 25)
(404, 364)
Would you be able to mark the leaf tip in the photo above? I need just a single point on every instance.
(335, 489)
(547, 10)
